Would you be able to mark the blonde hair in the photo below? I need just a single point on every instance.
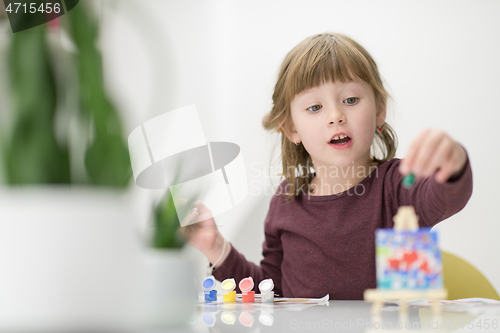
(320, 59)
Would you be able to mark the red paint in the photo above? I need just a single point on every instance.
(425, 267)
(394, 264)
(246, 319)
(410, 258)
(246, 284)
(249, 297)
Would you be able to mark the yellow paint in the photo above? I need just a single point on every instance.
(228, 284)
(228, 318)
(229, 297)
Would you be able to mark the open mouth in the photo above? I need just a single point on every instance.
(340, 139)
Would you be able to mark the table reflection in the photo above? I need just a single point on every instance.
(344, 316)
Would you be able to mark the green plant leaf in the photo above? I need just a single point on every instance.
(107, 161)
(31, 154)
(166, 223)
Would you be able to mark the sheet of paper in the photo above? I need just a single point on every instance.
(467, 305)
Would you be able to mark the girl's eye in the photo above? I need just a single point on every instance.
(314, 108)
(351, 99)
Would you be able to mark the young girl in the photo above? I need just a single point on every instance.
(330, 108)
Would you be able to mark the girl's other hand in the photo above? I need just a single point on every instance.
(203, 235)
(434, 151)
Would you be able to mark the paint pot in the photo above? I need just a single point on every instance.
(246, 285)
(228, 286)
(266, 290)
(249, 297)
(246, 319)
(266, 319)
(228, 318)
(208, 285)
(208, 319)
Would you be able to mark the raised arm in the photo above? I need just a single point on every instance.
(444, 183)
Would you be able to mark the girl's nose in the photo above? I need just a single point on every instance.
(336, 116)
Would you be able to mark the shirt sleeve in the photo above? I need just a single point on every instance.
(433, 202)
(236, 266)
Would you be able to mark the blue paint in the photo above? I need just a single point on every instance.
(208, 319)
(208, 283)
(211, 296)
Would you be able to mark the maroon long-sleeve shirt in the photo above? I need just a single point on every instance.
(318, 245)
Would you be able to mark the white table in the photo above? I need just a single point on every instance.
(340, 316)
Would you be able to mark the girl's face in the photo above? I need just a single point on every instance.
(345, 112)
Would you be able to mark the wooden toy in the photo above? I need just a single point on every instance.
(409, 264)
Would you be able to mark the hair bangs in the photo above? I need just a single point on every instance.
(325, 60)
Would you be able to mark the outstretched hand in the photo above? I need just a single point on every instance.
(434, 152)
(202, 235)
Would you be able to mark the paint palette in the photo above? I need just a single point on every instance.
(408, 259)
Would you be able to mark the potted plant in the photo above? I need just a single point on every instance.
(68, 241)
(66, 219)
(168, 288)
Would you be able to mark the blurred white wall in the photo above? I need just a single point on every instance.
(439, 60)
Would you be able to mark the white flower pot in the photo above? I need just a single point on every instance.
(168, 292)
(68, 258)
(72, 258)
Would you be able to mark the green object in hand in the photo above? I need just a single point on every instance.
(409, 180)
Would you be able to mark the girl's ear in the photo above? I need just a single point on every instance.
(290, 132)
(381, 114)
